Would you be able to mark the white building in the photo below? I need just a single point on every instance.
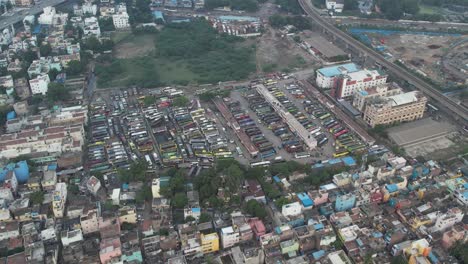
(91, 27)
(28, 21)
(348, 84)
(93, 185)
(6, 37)
(59, 199)
(335, 6)
(229, 237)
(291, 209)
(70, 237)
(155, 188)
(326, 76)
(89, 8)
(47, 17)
(447, 220)
(40, 84)
(121, 20)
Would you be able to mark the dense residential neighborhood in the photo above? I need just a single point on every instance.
(227, 132)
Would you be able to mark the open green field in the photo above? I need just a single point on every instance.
(191, 53)
(430, 10)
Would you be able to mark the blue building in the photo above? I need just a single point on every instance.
(305, 200)
(345, 202)
(20, 169)
(11, 115)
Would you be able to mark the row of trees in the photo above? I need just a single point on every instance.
(395, 9)
(299, 22)
(247, 5)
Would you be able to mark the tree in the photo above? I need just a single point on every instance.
(180, 101)
(410, 6)
(163, 232)
(45, 50)
(37, 197)
(143, 195)
(106, 24)
(460, 251)
(74, 67)
(180, 200)
(57, 92)
(204, 217)
(281, 201)
(234, 177)
(189, 219)
(149, 100)
(351, 4)
(53, 74)
(93, 44)
(256, 209)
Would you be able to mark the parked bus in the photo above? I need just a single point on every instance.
(148, 160)
(260, 164)
(324, 116)
(342, 132)
(340, 154)
(302, 155)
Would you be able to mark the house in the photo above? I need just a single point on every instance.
(9, 230)
(345, 202)
(335, 6)
(127, 214)
(209, 243)
(110, 249)
(49, 180)
(89, 222)
(291, 209)
(109, 227)
(71, 237)
(229, 237)
(254, 191)
(40, 84)
(93, 185)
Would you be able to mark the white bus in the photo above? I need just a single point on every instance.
(260, 164)
(148, 160)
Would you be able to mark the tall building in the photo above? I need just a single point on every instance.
(59, 199)
(40, 84)
(349, 83)
(121, 20)
(229, 237)
(209, 243)
(362, 97)
(393, 109)
(326, 77)
(345, 202)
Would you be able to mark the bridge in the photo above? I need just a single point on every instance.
(460, 112)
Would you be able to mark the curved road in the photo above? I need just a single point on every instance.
(427, 89)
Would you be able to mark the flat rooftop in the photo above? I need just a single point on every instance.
(419, 131)
(338, 69)
(325, 47)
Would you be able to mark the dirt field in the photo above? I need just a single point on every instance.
(134, 46)
(275, 53)
(422, 53)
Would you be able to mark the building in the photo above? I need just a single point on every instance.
(446, 220)
(335, 6)
(291, 209)
(127, 214)
(23, 3)
(49, 180)
(9, 230)
(110, 249)
(121, 20)
(7, 81)
(40, 84)
(71, 237)
(93, 185)
(456, 233)
(394, 109)
(89, 222)
(91, 27)
(229, 237)
(326, 77)
(345, 202)
(361, 97)
(89, 8)
(59, 199)
(209, 243)
(51, 17)
(338, 257)
(349, 83)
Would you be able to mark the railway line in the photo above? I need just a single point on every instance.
(461, 113)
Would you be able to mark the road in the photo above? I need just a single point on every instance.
(400, 23)
(459, 111)
(18, 15)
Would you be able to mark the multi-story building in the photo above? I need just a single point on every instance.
(446, 220)
(49, 180)
(345, 202)
(338, 257)
(110, 250)
(349, 83)
(120, 20)
(326, 77)
(89, 222)
(229, 237)
(24, 3)
(71, 237)
(40, 84)
(91, 27)
(127, 214)
(22, 88)
(59, 199)
(335, 6)
(361, 97)
(397, 108)
(209, 243)
(291, 209)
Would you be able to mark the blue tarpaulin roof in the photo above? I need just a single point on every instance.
(349, 161)
(392, 188)
(318, 254)
(11, 115)
(305, 199)
(276, 179)
(338, 69)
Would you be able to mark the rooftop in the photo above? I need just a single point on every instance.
(338, 69)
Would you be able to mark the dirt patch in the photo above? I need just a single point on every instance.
(135, 46)
(433, 46)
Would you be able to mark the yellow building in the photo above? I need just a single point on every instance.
(127, 214)
(209, 243)
(397, 108)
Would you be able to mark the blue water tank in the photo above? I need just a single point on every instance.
(22, 171)
(11, 115)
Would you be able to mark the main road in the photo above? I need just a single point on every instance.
(458, 110)
(18, 15)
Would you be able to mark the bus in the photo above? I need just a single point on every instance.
(239, 151)
(342, 132)
(322, 142)
(148, 160)
(302, 155)
(340, 154)
(260, 164)
(324, 116)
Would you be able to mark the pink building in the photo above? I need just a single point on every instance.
(109, 249)
(257, 226)
(109, 227)
(319, 196)
(455, 234)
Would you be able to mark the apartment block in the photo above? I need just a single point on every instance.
(209, 243)
(393, 109)
(59, 199)
(362, 97)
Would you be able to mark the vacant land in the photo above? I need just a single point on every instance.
(185, 53)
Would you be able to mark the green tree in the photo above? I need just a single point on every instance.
(106, 24)
(149, 100)
(234, 177)
(281, 201)
(144, 195)
(180, 200)
(256, 209)
(351, 4)
(74, 67)
(180, 101)
(189, 219)
(37, 197)
(277, 21)
(53, 74)
(57, 92)
(45, 50)
(204, 217)
(163, 232)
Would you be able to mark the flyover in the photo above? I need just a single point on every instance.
(18, 15)
(459, 111)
